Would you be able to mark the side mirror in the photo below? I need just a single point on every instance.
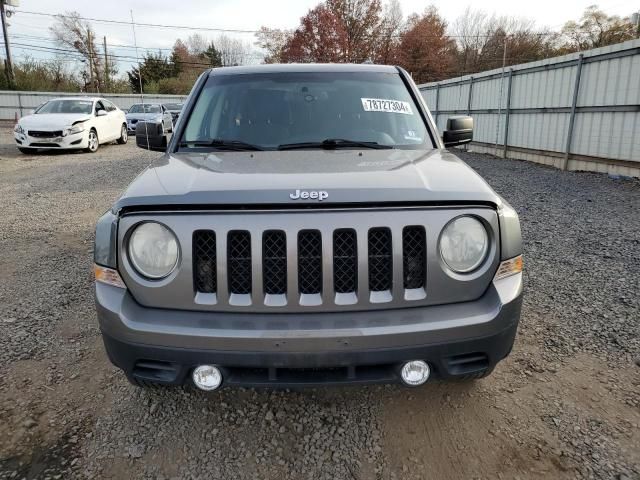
(101, 113)
(459, 131)
(150, 137)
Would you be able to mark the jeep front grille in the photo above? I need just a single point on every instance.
(294, 261)
(310, 260)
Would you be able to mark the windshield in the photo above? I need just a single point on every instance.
(144, 108)
(66, 106)
(282, 109)
(173, 106)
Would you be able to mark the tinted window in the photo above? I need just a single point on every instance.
(280, 108)
(66, 106)
(173, 106)
(145, 108)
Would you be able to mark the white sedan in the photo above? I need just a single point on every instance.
(71, 123)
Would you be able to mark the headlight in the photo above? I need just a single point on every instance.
(153, 250)
(73, 130)
(159, 118)
(464, 244)
(18, 128)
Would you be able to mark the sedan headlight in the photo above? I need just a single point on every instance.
(464, 244)
(73, 130)
(153, 250)
(18, 128)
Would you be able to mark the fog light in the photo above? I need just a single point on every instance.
(415, 372)
(207, 377)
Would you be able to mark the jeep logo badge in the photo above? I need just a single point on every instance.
(319, 195)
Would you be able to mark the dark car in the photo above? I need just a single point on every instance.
(308, 225)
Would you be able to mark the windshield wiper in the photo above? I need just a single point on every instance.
(221, 144)
(333, 143)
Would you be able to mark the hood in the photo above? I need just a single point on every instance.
(52, 121)
(269, 178)
(143, 116)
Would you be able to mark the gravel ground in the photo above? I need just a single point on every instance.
(565, 404)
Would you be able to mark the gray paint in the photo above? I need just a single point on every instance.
(122, 318)
(349, 176)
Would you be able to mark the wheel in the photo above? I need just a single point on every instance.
(124, 135)
(27, 151)
(93, 143)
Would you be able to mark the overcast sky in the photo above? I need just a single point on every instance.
(28, 29)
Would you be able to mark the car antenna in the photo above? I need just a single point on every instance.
(135, 44)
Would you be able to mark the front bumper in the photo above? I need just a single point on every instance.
(76, 140)
(163, 346)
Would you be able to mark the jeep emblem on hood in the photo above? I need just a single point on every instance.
(319, 195)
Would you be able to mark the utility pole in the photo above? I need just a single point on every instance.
(106, 64)
(90, 52)
(9, 64)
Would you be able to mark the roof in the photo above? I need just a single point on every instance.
(79, 97)
(303, 67)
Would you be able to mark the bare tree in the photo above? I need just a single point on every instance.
(483, 40)
(390, 29)
(71, 31)
(596, 29)
(232, 51)
(273, 42)
(197, 44)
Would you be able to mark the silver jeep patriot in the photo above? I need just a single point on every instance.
(306, 225)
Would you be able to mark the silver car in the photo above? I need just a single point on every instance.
(307, 225)
(155, 113)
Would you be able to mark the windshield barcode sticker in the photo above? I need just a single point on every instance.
(388, 106)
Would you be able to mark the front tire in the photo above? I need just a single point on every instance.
(93, 142)
(124, 135)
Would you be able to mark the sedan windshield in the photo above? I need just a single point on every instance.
(306, 110)
(66, 106)
(173, 106)
(144, 108)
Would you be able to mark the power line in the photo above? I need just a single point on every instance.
(245, 31)
(152, 25)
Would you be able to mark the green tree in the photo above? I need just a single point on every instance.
(212, 56)
(154, 67)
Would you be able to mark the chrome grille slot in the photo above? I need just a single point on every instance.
(274, 262)
(380, 264)
(345, 261)
(239, 262)
(204, 261)
(309, 262)
(414, 257)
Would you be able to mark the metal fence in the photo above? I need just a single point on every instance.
(577, 112)
(22, 103)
